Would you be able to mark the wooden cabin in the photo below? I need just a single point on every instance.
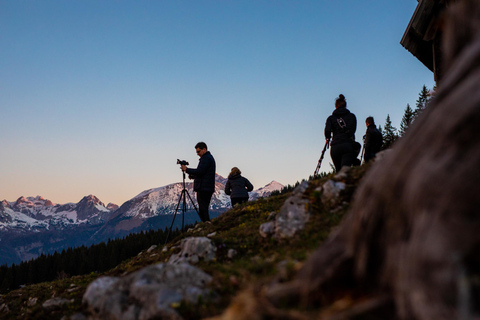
(424, 32)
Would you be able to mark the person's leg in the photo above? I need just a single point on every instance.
(349, 159)
(203, 199)
(336, 155)
(238, 200)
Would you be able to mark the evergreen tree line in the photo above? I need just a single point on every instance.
(390, 133)
(82, 260)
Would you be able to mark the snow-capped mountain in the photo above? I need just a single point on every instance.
(153, 208)
(30, 226)
(266, 191)
(34, 225)
(37, 213)
(29, 214)
(164, 200)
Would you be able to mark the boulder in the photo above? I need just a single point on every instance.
(331, 192)
(293, 214)
(146, 294)
(193, 249)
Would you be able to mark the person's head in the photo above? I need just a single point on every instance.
(201, 148)
(235, 171)
(340, 102)
(369, 121)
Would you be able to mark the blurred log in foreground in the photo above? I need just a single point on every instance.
(411, 242)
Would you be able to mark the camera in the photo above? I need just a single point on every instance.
(182, 162)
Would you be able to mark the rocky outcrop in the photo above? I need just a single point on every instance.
(193, 249)
(295, 213)
(150, 293)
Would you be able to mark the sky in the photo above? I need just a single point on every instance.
(103, 97)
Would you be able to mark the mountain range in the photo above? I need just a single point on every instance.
(31, 226)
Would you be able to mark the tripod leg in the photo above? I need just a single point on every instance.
(173, 220)
(193, 203)
(184, 208)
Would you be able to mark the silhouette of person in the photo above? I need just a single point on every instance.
(237, 187)
(342, 124)
(373, 140)
(204, 179)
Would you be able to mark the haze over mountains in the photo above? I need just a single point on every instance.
(31, 226)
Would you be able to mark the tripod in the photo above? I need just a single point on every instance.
(182, 199)
(321, 158)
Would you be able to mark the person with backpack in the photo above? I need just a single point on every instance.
(342, 124)
(373, 140)
(237, 187)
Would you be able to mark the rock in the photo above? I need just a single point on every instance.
(293, 214)
(231, 253)
(31, 302)
(151, 248)
(78, 316)
(331, 192)
(343, 173)
(267, 229)
(212, 234)
(55, 303)
(193, 249)
(146, 294)
(4, 308)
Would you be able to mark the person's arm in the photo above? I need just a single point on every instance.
(328, 129)
(228, 188)
(248, 185)
(202, 168)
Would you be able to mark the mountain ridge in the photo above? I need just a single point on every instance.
(91, 221)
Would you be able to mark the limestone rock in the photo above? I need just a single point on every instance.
(331, 192)
(267, 229)
(55, 303)
(193, 249)
(151, 248)
(146, 294)
(293, 214)
(231, 253)
(31, 302)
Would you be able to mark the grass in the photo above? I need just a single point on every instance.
(258, 260)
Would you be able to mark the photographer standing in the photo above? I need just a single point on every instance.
(204, 179)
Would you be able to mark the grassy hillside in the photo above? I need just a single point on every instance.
(259, 260)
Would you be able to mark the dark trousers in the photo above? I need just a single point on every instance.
(203, 199)
(238, 200)
(343, 155)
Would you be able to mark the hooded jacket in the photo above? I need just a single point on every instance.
(238, 186)
(343, 124)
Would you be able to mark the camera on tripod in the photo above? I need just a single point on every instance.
(182, 162)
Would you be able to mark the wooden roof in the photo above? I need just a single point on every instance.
(421, 36)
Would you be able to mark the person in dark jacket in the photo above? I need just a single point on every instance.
(204, 179)
(342, 124)
(373, 140)
(237, 187)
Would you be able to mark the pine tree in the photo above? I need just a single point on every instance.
(406, 120)
(389, 134)
(422, 101)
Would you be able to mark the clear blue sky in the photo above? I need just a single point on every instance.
(102, 97)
